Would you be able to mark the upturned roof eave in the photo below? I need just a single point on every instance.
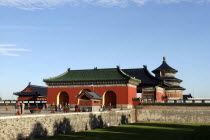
(128, 76)
(164, 66)
(51, 78)
(83, 81)
(175, 88)
(85, 92)
(150, 75)
(16, 93)
(150, 79)
(123, 77)
(164, 69)
(171, 79)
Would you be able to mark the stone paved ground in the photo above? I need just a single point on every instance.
(11, 112)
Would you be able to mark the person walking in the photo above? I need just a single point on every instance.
(23, 108)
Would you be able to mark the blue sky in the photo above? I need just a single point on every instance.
(41, 39)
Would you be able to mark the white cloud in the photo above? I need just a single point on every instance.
(142, 2)
(4, 50)
(110, 3)
(7, 45)
(41, 4)
(31, 4)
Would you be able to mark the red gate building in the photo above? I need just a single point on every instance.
(114, 86)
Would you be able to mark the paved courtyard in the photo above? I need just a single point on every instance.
(11, 111)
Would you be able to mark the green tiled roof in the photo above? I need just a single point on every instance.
(90, 75)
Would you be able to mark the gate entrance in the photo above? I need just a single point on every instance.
(110, 99)
(63, 98)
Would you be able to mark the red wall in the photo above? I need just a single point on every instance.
(132, 93)
(25, 98)
(30, 99)
(124, 94)
(159, 96)
(136, 103)
(89, 103)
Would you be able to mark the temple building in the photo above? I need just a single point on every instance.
(32, 94)
(110, 88)
(164, 72)
(151, 88)
(114, 86)
(89, 101)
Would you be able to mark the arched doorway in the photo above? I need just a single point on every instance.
(63, 98)
(110, 98)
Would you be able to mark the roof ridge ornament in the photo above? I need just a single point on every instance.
(164, 58)
(69, 69)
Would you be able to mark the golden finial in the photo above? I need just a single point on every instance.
(164, 58)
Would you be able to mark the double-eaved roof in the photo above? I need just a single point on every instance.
(169, 80)
(35, 90)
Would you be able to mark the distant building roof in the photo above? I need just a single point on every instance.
(36, 90)
(164, 66)
(175, 87)
(26, 93)
(172, 79)
(144, 75)
(186, 96)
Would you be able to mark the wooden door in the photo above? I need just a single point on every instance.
(64, 98)
(110, 98)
